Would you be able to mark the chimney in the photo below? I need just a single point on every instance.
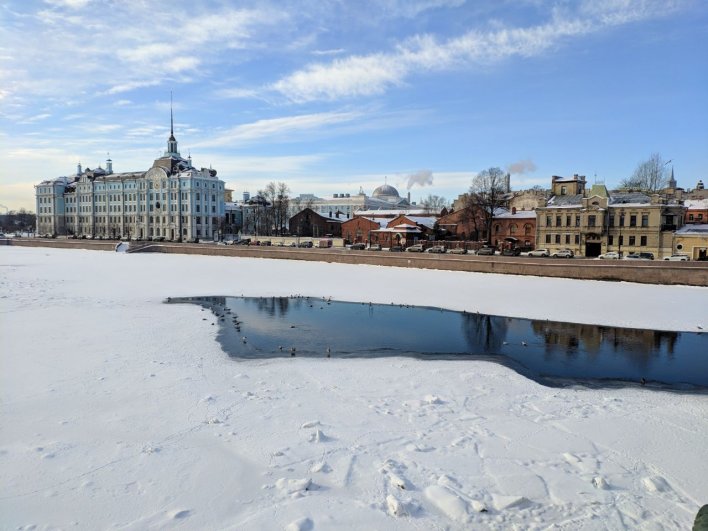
(409, 196)
(507, 183)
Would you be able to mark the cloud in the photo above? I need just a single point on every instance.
(521, 166)
(36, 118)
(278, 127)
(419, 178)
(372, 74)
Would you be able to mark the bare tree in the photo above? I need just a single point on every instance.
(434, 203)
(486, 195)
(650, 175)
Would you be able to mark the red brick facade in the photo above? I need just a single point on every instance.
(309, 223)
(357, 229)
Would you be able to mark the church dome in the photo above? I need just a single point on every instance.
(385, 191)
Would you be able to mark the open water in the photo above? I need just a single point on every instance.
(552, 353)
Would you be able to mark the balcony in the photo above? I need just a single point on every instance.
(666, 227)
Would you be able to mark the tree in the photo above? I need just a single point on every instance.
(487, 194)
(278, 195)
(650, 175)
(434, 203)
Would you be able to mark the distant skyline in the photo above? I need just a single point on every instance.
(331, 96)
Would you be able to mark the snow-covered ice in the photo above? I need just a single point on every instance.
(121, 412)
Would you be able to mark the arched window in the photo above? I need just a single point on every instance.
(512, 228)
(497, 228)
(527, 229)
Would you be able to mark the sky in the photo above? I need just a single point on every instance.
(330, 96)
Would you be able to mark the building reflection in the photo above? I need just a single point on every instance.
(638, 346)
(484, 333)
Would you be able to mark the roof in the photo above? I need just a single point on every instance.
(696, 204)
(520, 214)
(572, 200)
(698, 228)
(390, 212)
(426, 221)
(634, 198)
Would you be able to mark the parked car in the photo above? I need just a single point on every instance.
(486, 251)
(417, 248)
(610, 255)
(374, 247)
(540, 253)
(458, 250)
(396, 249)
(436, 249)
(305, 245)
(563, 253)
(357, 246)
(677, 258)
(511, 252)
(639, 256)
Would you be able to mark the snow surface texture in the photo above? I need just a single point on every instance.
(121, 412)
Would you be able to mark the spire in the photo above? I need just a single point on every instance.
(172, 141)
(172, 121)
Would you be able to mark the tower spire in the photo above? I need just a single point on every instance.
(172, 141)
(172, 122)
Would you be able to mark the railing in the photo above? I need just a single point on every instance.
(668, 227)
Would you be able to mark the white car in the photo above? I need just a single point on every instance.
(677, 258)
(563, 253)
(610, 255)
(543, 253)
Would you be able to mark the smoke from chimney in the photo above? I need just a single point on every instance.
(522, 166)
(421, 178)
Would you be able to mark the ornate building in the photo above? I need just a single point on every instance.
(597, 221)
(172, 200)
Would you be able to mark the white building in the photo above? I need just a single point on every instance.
(345, 206)
(172, 200)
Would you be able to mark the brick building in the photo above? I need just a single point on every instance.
(359, 228)
(696, 210)
(515, 228)
(309, 223)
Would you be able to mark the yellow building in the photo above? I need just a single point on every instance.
(594, 222)
(692, 240)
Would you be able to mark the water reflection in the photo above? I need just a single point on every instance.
(549, 352)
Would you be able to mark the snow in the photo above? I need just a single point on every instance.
(119, 411)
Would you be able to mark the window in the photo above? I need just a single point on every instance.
(567, 239)
(611, 220)
(632, 240)
(621, 240)
(690, 217)
(621, 225)
(512, 228)
(548, 238)
(577, 221)
(645, 220)
(643, 241)
(567, 221)
(497, 227)
(633, 220)
(591, 220)
(548, 221)
(610, 240)
(558, 221)
(558, 238)
(564, 190)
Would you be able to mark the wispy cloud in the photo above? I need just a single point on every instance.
(279, 127)
(365, 75)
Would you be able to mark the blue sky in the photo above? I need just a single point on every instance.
(331, 95)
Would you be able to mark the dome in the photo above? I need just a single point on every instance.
(385, 190)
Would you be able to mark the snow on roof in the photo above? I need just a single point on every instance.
(573, 200)
(629, 198)
(390, 212)
(698, 228)
(426, 221)
(519, 214)
(696, 204)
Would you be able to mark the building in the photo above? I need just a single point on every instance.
(696, 210)
(692, 240)
(346, 206)
(596, 221)
(514, 228)
(172, 200)
(309, 223)
(404, 231)
(359, 228)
